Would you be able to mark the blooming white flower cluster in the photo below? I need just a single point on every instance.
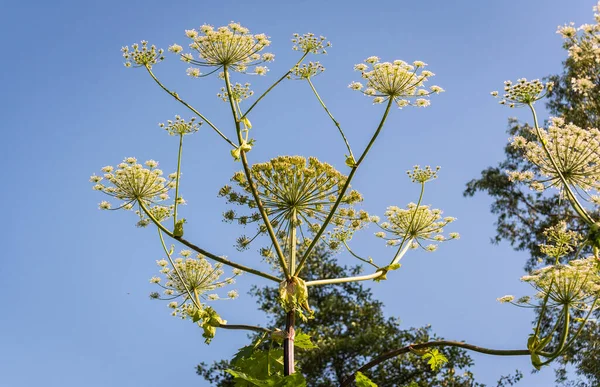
(420, 175)
(560, 241)
(305, 71)
(295, 192)
(239, 93)
(523, 92)
(143, 55)
(191, 276)
(583, 42)
(231, 46)
(131, 182)
(575, 284)
(418, 223)
(180, 127)
(397, 80)
(310, 43)
(575, 150)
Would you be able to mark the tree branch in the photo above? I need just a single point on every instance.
(441, 343)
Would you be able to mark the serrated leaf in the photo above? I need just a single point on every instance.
(362, 381)
(260, 364)
(247, 350)
(302, 340)
(436, 359)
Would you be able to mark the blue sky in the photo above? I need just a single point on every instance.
(75, 280)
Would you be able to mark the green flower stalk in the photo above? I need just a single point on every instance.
(397, 81)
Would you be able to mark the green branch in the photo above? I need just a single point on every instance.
(343, 191)
(251, 184)
(212, 256)
(331, 116)
(245, 327)
(177, 181)
(442, 343)
(176, 96)
(573, 199)
(272, 87)
(381, 272)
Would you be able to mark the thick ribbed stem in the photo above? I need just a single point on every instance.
(288, 344)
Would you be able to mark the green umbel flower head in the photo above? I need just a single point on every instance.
(298, 193)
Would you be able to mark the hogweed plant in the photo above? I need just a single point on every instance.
(295, 203)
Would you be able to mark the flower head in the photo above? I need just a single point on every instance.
(239, 92)
(132, 183)
(523, 92)
(575, 284)
(180, 127)
(560, 241)
(231, 46)
(419, 175)
(417, 223)
(193, 281)
(575, 150)
(397, 80)
(143, 55)
(305, 71)
(310, 43)
(298, 193)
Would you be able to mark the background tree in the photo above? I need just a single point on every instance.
(349, 329)
(523, 214)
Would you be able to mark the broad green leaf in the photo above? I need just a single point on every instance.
(260, 364)
(362, 381)
(302, 340)
(436, 359)
(247, 350)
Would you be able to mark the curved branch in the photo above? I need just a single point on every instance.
(342, 192)
(441, 343)
(176, 96)
(251, 184)
(272, 87)
(204, 252)
(246, 327)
